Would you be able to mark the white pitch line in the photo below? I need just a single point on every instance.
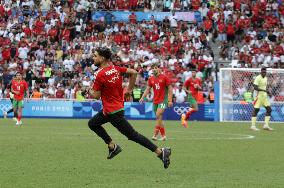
(119, 137)
(238, 136)
(231, 136)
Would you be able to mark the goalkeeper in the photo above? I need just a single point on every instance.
(260, 85)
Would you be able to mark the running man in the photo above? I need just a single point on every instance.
(191, 86)
(19, 87)
(163, 97)
(11, 96)
(108, 87)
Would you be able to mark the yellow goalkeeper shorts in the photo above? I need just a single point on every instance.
(261, 102)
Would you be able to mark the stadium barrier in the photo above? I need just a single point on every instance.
(121, 16)
(236, 111)
(73, 109)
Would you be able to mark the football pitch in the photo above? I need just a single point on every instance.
(65, 153)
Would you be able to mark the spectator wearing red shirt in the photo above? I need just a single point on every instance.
(2, 11)
(210, 13)
(167, 44)
(132, 18)
(245, 23)
(195, 4)
(119, 4)
(231, 33)
(53, 32)
(207, 24)
(133, 4)
(278, 50)
(117, 38)
(26, 30)
(59, 93)
(147, 35)
(237, 5)
(39, 24)
(125, 39)
(65, 35)
(6, 53)
(265, 48)
(222, 35)
(155, 36)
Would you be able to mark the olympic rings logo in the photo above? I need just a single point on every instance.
(5, 107)
(181, 109)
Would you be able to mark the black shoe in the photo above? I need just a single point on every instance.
(165, 156)
(112, 153)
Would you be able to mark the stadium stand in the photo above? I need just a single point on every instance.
(51, 42)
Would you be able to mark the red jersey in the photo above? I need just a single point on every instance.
(159, 85)
(21, 87)
(108, 80)
(189, 83)
(59, 94)
(221, 28)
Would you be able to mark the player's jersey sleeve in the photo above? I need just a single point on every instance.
(167, 81)
(199, 82)
(187, 84)
(122, 69)
(256, 81)
(98, 83)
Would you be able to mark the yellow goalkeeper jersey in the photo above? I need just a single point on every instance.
(262, 84)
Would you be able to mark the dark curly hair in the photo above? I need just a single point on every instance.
(104, 52)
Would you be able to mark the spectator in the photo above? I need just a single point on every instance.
(179, 94)
(60, 92)
(36, 94)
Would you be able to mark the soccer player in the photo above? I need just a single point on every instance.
(108, 87)
(19, 87)
(191, 86)
(163, 95)
(260, 85)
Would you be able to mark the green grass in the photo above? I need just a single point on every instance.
(65, 153)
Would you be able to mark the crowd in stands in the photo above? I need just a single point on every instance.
(51, 42)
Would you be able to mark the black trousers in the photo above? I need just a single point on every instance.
(12, 109)
(122, 125)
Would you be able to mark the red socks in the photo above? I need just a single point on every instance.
(163, 131)
(159, 129)
(19, 117)
(190, 111)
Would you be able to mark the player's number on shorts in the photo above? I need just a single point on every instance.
(163, 105)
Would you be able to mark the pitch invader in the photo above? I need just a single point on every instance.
(108, 87)
(260, 85)
(11, 96)
(19, 87)
(163, 95)
(191, 86)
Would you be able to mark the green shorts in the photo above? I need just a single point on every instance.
(191, 100)
(161, 105)
(18, 104)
